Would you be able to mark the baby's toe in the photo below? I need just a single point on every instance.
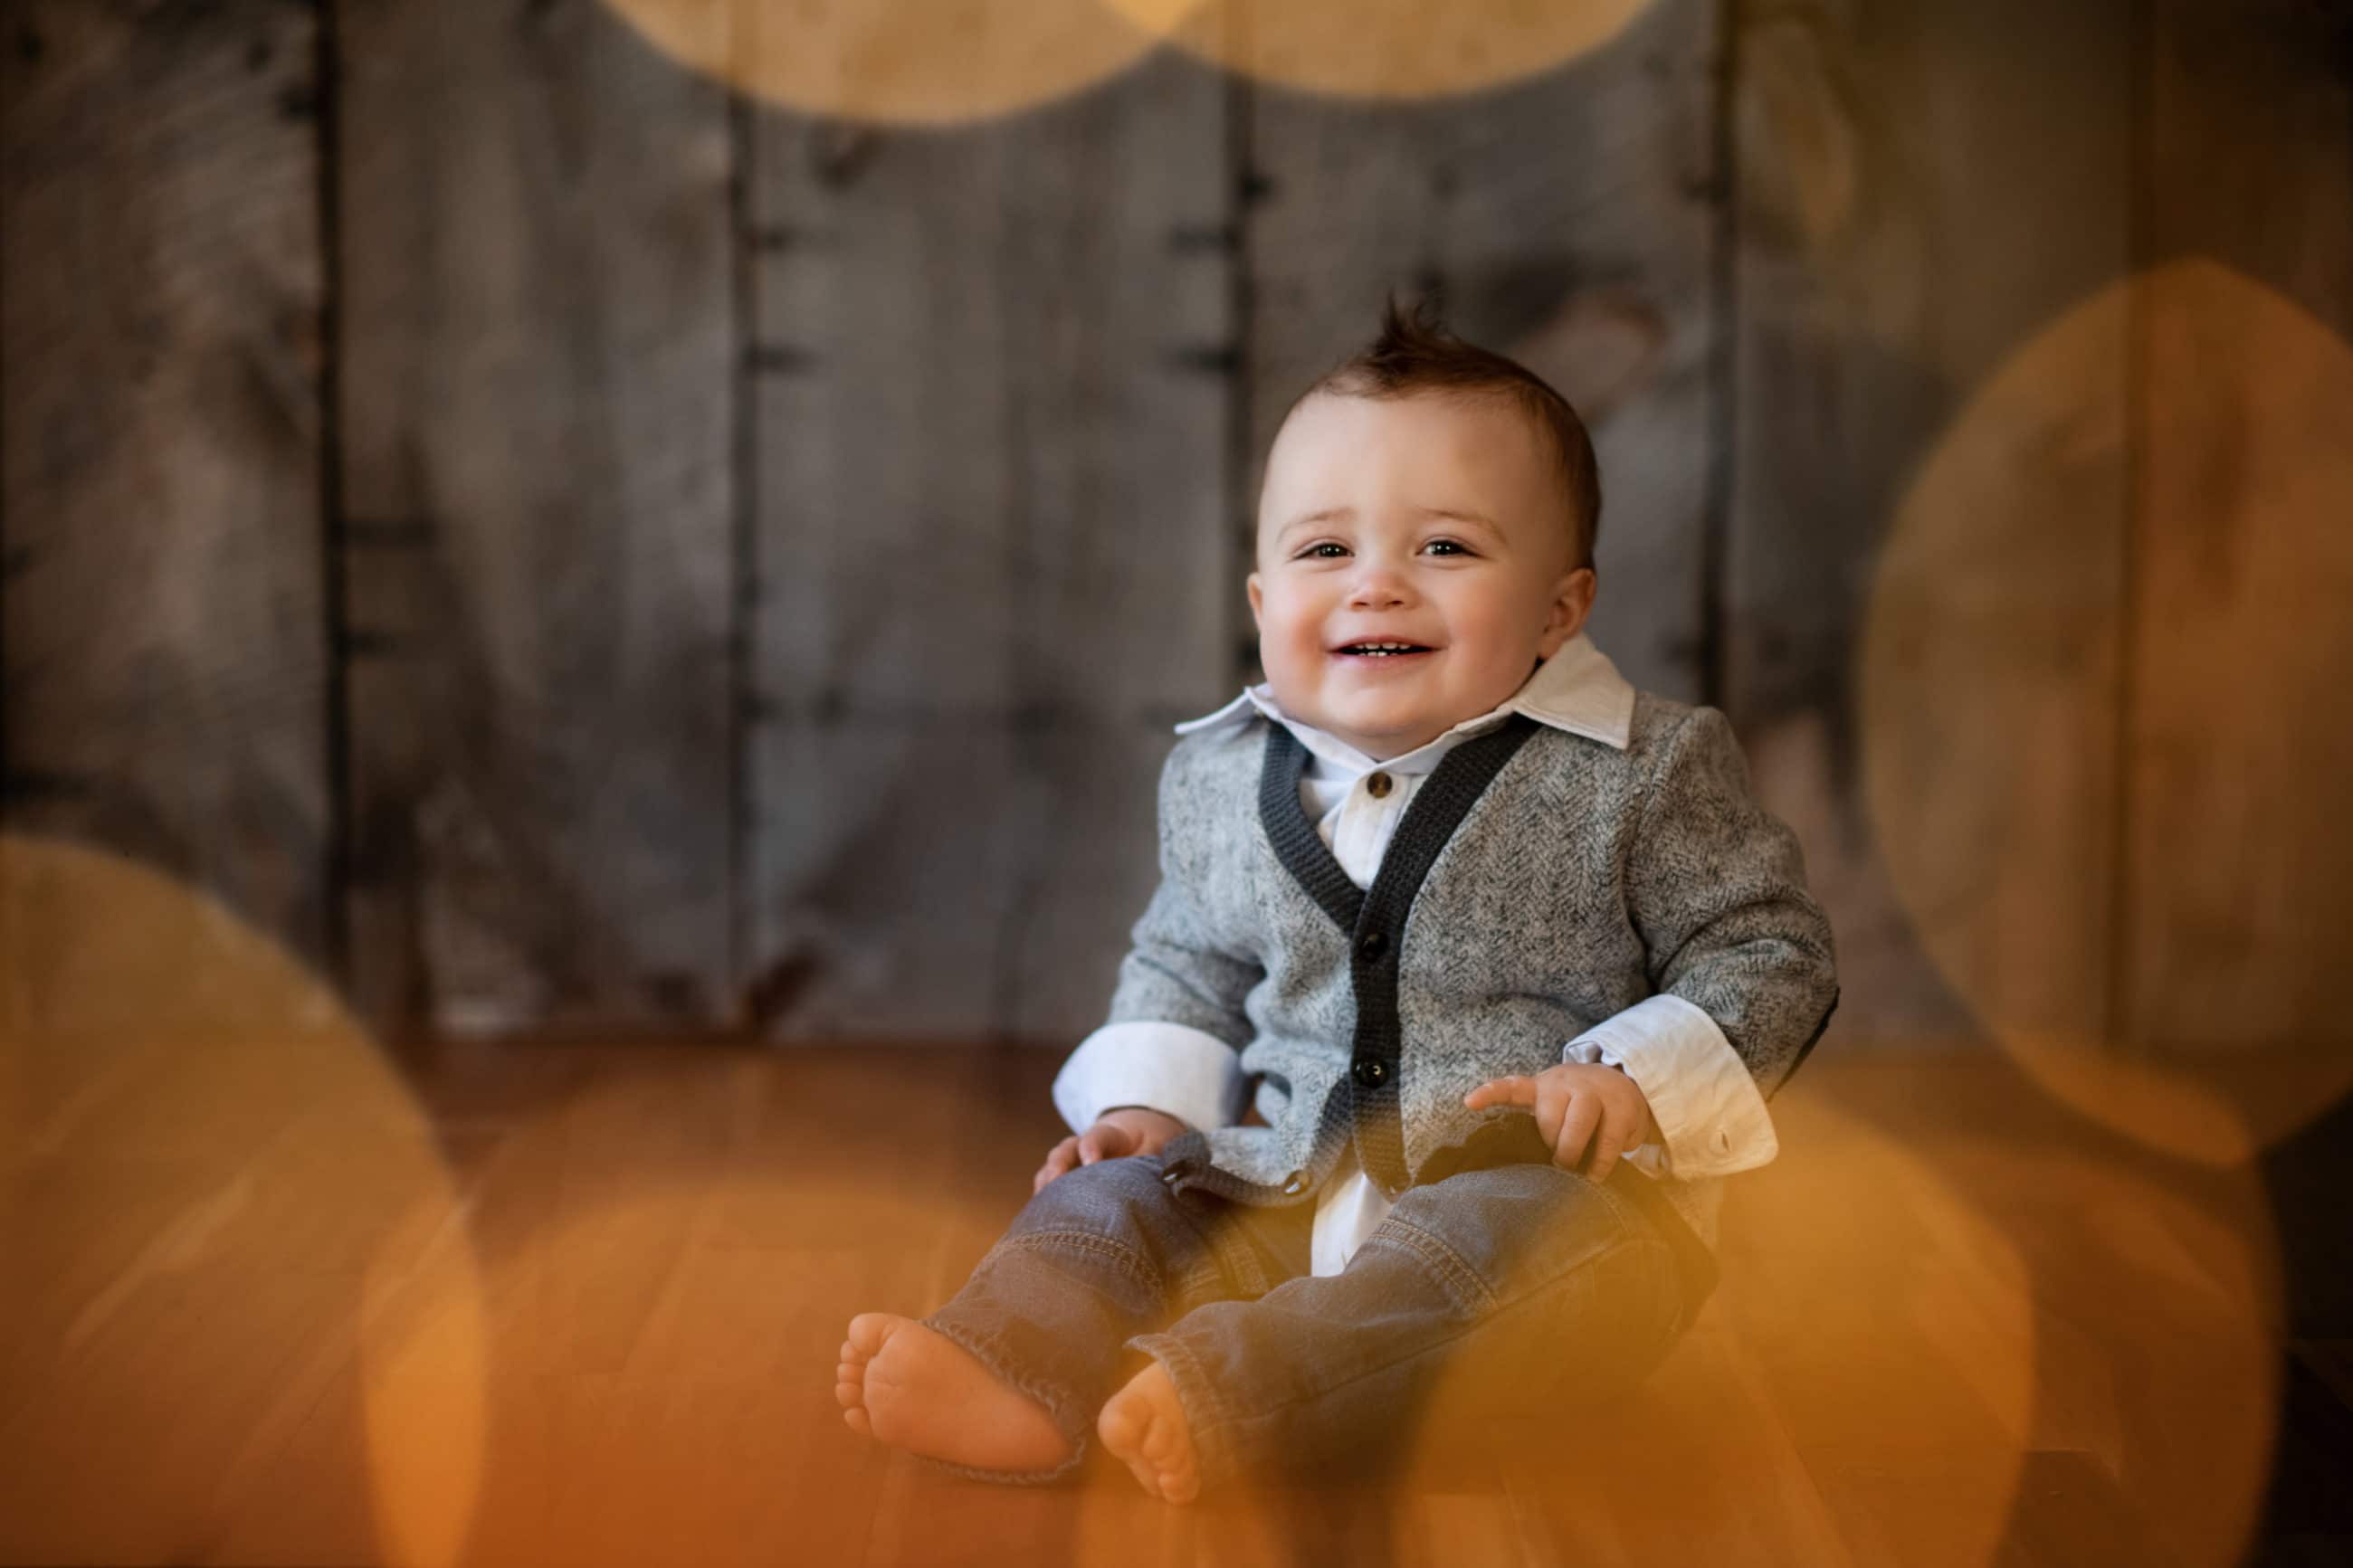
(1117, 1428)
(1169, 1448)
(867, 1333)
(849, 1392)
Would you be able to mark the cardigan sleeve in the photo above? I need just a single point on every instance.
(1176, 970)
(1717, 891)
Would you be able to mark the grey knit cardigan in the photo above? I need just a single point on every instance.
(1539, 882)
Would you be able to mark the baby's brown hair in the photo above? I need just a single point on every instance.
(1414, 353)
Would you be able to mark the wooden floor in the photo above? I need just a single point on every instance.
(278, 1302)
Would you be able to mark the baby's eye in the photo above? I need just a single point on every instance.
(1450, 544)
(1311, 548)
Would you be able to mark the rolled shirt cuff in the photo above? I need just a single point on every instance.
(1173, 1069)
(1704, 1099)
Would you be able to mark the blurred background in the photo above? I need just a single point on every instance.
(622, 521)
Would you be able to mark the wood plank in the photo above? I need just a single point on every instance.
(1921, 190)
(991, 558)
(1567, 220)
(537, 394)
(160, 594)
(2240, 713)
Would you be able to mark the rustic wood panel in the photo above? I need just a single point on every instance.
(538, 384)
(991, 560)
(1918, 190)
(160, 288)
(1567, 221)
(2237, 854)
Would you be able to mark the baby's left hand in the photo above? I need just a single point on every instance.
(1574, 1102)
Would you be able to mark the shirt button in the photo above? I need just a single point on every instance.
(1370, 1072)
(1376, 785)
(1373, 945)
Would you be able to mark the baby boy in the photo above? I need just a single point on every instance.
(1468, 974)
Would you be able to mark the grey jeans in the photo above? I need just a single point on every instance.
(1511, 1286)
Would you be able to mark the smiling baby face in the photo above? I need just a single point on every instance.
(1431, 520)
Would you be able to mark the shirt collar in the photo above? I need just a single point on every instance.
(1578, 690)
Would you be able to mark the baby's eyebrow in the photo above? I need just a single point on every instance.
(1329, 514)
(1492, 529)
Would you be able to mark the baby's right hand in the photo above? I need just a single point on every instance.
(1129, 1129)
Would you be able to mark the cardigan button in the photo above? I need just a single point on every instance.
(1372, 944)
(1370, 1072)
(1297, 1183)
(1376, 785)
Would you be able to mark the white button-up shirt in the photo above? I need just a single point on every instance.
(1710, 1121)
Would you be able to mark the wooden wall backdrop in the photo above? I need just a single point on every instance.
(989, 558)
(569, 547)
(1918, 187)
(535, 546)
(2018, 256)
(166, 678)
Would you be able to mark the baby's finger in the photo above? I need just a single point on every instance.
(1511, 1091)
(1058, 1160)
(1553, 1096)
(1576, 1130)
(1105, 1143)
(1610, 1140)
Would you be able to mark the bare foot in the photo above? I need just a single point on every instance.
(1144, 1424)
(916, 1389)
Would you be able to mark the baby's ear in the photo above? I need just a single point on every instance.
(1251, 584)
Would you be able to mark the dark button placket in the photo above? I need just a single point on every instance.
(1374, 918)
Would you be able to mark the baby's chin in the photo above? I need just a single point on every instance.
(1381, 743)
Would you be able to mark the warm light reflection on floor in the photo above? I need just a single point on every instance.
(1930, 1294)
(219, 1200)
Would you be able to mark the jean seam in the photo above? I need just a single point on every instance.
(1235, 1261)
(1125, 1257)
(1471, 1292)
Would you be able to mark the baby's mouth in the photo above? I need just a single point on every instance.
(1381, 652)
